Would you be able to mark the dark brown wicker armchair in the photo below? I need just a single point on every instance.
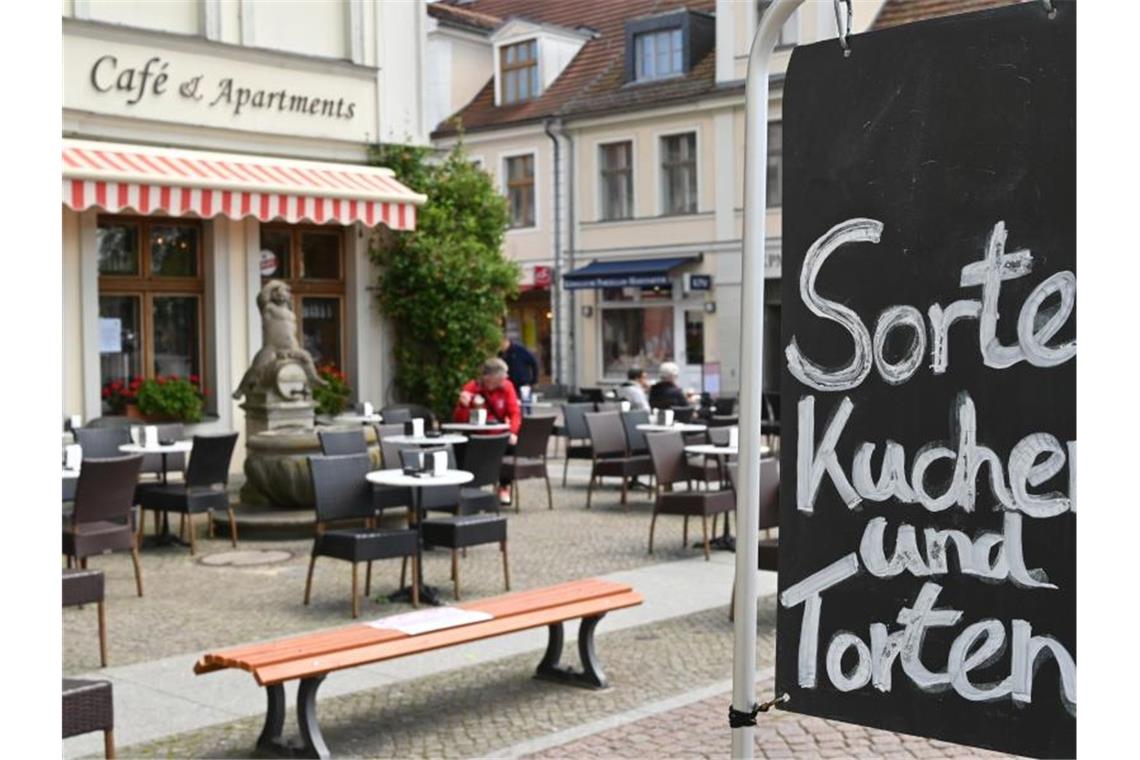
(101, 520)
(667, 451)
(611, 453)
(529, 458)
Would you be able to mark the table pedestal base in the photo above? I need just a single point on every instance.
(428, 595)
(165, 538)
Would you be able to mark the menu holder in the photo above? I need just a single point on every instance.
(72, 456)
(418, 427)
(136, 435)
(733, 437)
(479, 416)
(625, 406)
(150, 436)
(365, 409)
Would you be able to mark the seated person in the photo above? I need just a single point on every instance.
(495, 393)
(633, 390)
(665, 393)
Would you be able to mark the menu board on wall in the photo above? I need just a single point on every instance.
(927, 546)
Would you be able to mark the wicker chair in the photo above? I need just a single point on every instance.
(529, 458)
(342, 493)
(86, 587)
(341, 442)
(575, 429)
(88, 706)
(611, 454)
(101, 520)
(667, 451)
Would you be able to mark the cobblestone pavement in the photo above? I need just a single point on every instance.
(191, 606)
(700, 730)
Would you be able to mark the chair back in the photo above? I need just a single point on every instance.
(723, 421)
(718, 436)
(395, 415)
(634, 437)
(534, 436)
(340, 489)
(408, 454)
(667, 450)
(102, 442)
(594, 395)
(683, 413)
(724, 406)
(483, 458)
(607, 434)
(106, 488)
(171, 431)
(769, 491)
(210, 459)
(574, 418)
(340, 442)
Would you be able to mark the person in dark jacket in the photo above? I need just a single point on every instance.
(665, 393)
(522, 367)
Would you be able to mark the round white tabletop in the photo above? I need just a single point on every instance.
(363, 419)
(398, 478)
(427, 440)
(69, 474)
(679, 427)
(711, 449)
(538, 404)
(470, 427)
(178, 447)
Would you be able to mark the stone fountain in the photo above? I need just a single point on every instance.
(280, 433)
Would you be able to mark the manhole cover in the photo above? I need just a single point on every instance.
(246, 558)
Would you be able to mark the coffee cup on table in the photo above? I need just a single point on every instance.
(150, 436)
(667, 415)
(365, 409)
(479, 416)
(72, 456)
(136, 435)
(439, 462)
(418, 427)
(625, 405)
(733, 437)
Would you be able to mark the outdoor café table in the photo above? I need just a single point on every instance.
(471, 427)
(725, 541)
(427, 440)
(678, 427)
(363, 419)
(166, 538)
(428, 594)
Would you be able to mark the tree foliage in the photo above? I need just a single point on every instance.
(444, 286)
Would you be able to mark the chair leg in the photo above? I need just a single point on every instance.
(157, 526)
(516, 495)
(549, 493)
(685, 532)
(652, 525)
(102, 634)
(705, 533)
(189, 519)
(82, 563)
(141, 525)
(109, 744)
(415, 583)
(566, 463)
(69, 561)
(368, 579)
(506, 567)
(182, 526)
(590, 489)
(309, 578)
(138, 571)
(404, 571)
(355, 611)
(455, 575)
(209, 523)
(233, 527)
(454, 562)
(624, 492)
(714, 523)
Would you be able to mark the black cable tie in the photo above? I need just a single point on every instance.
(743, 718)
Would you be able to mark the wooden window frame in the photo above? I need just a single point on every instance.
(506, 69)
(607, 173)
(302, 287)
(672, 34)
(146, 286)
(525, 186)
(668, 166)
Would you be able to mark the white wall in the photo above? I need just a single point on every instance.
(177, 16)
(312, 27)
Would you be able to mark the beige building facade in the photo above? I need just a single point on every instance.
(148, 292)
(600, 332)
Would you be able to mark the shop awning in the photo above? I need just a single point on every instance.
(621, 274)
(172, 182)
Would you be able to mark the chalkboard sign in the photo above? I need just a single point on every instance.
(927, 559)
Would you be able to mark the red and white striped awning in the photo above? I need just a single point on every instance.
(145, 180)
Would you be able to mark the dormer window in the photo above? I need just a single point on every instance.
(658, 54)
(518, 64)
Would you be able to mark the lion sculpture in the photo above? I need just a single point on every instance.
(278, 341)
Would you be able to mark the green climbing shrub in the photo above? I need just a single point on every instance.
(444, 286)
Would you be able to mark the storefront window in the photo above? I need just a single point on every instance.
(150, 298)
(636, 337)
(311, 260)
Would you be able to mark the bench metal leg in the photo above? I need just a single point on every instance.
(271, 743)
(592, 676)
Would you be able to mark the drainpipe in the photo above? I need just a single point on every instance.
(572, 359)
(556, 281)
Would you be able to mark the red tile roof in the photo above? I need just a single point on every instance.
(463, 16)
(594, 81)
(896, 12)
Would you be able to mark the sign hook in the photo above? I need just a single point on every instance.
(1050, 8)
(845, 29)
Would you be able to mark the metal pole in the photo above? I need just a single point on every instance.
(751, 370)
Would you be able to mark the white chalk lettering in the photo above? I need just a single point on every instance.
(899, 317)
(860, 674)
(812, 462)
(964, 657)
(807, 592)
(1032, 336)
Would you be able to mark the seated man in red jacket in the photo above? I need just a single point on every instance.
(495, 393)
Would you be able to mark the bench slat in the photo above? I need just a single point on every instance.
(310, 666)
(322, 643)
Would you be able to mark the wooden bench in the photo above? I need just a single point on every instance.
(312, 656)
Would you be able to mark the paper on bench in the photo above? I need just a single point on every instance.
(435, 619)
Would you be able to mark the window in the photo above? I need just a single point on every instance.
(694, 336)
(616, 161)
(520, 190)
(150, 298)
(657, 54)
(311, 260)
(636, 337)
(775, 164)
(518, 71)
(679, 174)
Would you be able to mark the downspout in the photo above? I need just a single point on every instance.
(572, 363)
(556, 280)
